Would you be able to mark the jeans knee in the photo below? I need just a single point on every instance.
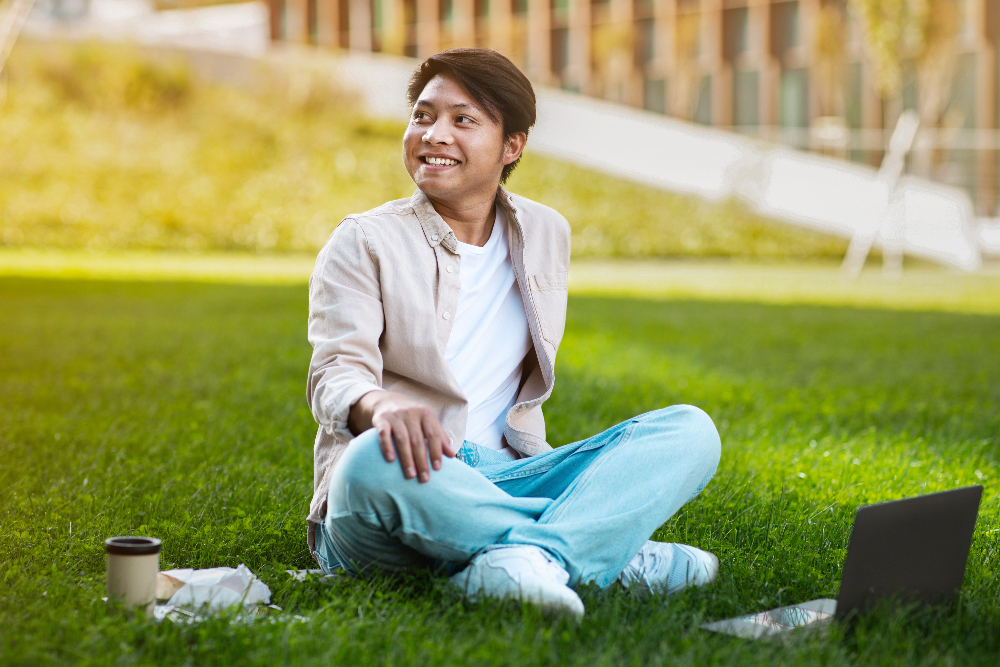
(362, 469)
(701, 433)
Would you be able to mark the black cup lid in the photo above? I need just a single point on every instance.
(132, 546)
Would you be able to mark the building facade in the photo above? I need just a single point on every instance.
(786, 70)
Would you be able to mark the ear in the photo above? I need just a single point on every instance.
(513, 147)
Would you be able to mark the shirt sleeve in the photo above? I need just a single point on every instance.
(345, 323)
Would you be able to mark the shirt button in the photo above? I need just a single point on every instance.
(447, 316)
(434, 237)
(449, 269)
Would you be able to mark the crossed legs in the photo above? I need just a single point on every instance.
(591, 505)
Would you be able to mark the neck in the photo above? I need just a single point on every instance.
(472, 221)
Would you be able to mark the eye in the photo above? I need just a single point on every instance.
(420, 115)
(464, 119)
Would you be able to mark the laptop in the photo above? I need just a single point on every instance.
(911, 550)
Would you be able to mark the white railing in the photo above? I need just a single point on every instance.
(13, 14)
(822, 139)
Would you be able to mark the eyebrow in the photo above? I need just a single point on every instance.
(459, 105)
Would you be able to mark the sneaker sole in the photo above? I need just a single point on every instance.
(539, 593)
(714, 572)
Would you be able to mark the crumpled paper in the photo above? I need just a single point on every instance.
(306, 575)
(216, 587)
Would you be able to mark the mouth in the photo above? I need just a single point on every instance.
(438, 161)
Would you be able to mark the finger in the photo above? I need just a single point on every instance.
(434, 441)
(446, 445)
(385, 443)
(402, 440)
(419, 447)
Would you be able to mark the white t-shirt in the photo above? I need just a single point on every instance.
(489, 337)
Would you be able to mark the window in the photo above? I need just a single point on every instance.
(344, 11)
(735, 32)
(852, 96)
(645, 42)
(794, 97)
(746, 99)
(559, 45)
(654, 95)
(313, 19)
(643, 8)
(703, 108)
(784, 27)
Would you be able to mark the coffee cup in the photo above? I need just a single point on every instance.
(132, 566)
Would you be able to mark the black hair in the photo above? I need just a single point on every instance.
(492, 80)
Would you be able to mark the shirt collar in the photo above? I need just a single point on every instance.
(436, 230)
(506, 202)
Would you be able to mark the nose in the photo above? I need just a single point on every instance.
(438, 133)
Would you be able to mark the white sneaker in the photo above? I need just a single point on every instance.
(667, 567)
(520, 572)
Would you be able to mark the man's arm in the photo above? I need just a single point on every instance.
(346, 320)
(405, 427)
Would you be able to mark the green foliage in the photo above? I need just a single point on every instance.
(106, 148)
(92, 78)
(178, 410)
(925, 31)
(884, 24)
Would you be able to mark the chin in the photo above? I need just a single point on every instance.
(437, 187)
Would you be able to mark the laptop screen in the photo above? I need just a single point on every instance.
(913, 550)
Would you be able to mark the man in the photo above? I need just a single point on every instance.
(435, 322)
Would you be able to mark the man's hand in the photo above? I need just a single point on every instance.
(416, 431)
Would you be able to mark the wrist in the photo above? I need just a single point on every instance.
(359, 419)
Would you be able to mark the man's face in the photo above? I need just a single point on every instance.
(452, 149)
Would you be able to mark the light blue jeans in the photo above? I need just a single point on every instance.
(591, 504)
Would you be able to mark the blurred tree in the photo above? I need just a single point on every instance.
(888, 26)
(923, 32)
(687, 73)
(936, 56)
(828, 49)
(611, 57)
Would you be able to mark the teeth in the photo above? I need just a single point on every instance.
(440, 161)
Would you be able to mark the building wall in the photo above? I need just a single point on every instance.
(764, 67)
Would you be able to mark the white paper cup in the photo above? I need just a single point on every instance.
(132, 566)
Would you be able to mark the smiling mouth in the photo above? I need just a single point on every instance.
(439, 161)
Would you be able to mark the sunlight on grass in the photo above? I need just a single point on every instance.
(226, 267)
(921, 288)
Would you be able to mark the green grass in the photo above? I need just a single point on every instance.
(105, 149)
(178, 410)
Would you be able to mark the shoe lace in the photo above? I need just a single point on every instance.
(543, 562)
(642, 565)
(552, 567)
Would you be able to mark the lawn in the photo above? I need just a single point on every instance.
(177, 409)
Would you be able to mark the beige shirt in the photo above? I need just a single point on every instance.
(381, 304)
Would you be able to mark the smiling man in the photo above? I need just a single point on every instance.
(435, 322)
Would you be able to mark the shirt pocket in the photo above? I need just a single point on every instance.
(549, 291)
